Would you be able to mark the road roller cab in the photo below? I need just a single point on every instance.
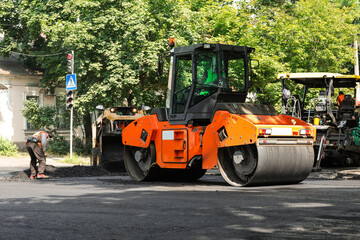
(207, 123)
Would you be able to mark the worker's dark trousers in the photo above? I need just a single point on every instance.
(36, 154)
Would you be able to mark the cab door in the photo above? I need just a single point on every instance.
(182, 86)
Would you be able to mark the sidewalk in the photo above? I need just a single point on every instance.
(9, 165)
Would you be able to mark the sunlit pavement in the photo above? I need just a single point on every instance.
(10, 165)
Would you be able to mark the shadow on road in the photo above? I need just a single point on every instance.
(118, 208)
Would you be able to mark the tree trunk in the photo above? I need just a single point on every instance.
(130, 99)
(87, 126)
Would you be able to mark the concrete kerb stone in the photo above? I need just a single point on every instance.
(349, 174)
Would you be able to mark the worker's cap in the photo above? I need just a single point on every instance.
(49, 133)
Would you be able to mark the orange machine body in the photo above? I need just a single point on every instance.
(177, 145)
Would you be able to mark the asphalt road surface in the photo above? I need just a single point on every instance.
(117, 208)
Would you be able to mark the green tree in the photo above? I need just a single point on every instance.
(116, 43)
(307, 36)
(39, 117)
(48, 117)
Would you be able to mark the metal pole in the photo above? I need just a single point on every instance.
(356, 70)
(72, 108)
(71, 131)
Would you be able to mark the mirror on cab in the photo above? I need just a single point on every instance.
(146, 108)
(100, 107)
(160, 67)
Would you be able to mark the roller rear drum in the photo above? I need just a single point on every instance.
(138, 162)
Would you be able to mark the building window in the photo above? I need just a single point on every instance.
(62, 114)
(36, 98)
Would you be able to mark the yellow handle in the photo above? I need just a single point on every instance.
(316, 121)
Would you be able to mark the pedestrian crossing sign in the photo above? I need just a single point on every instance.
(71, 82)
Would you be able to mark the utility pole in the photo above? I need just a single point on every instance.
(72, 109)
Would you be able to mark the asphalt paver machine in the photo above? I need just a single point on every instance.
(337, 126)
(207, 123)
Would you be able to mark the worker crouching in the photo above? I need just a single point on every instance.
(36, 146)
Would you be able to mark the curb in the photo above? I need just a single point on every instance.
(349, 174)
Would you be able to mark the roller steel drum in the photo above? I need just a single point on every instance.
(265, 164)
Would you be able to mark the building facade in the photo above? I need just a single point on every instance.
(17, 84)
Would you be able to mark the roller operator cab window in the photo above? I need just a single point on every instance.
(214, 70)
(234, 66)
(218, 70)
(209, 77)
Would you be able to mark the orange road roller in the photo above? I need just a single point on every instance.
(207, 123)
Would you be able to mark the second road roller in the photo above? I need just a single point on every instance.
(208, 123)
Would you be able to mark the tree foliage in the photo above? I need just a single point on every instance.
(304, 36)
(49, 117)
(39, 117)
(117, 43)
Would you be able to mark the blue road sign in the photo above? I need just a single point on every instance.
(71, 82)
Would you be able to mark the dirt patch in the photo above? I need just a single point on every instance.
(65, 172)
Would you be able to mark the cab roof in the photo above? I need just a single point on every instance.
(213, 47)
(320, 79)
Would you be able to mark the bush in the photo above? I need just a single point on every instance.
(58, 145)
(80, 148)
(7, 148)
